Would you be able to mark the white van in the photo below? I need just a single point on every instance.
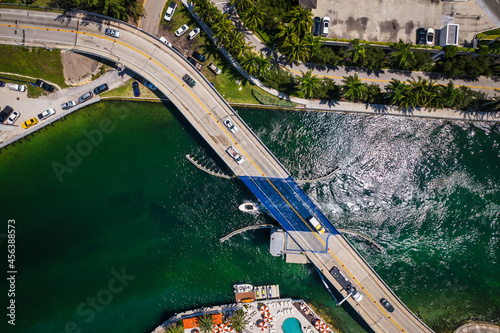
(315, 223)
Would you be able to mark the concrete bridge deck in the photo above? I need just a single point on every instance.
(205, 109)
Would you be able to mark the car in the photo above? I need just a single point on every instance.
(47, 113)
(112, 32)
(135, 88)
(13, 117)
(326, 26)
(44, 85)
(200, 57)
(386, 305)
(149, 85)
(17, 87)
(2, 83)
(234, 154)
(189, 80)
(165, 41)
(6, 112)
(102, 88)
(421, 36)
(179, 32)
(194, 33)
(316, 26)
(85, 97)
(170, 11)
(30, 122)
(195, 63)
(430, 36)
(68, 105)
(214, 68)
(229, 124)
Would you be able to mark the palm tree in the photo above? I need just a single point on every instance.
(249, 62)
(223, 27)
(356, 50)
(403, 57)
(175, 328)
(263, 64)
(354, 90)
(424, 91)
(206, 323)
(236, 44)
(396, 91)
(296, 49)
(285, 30)
(308, 83)
(209, 14)
(253, 16)
(314, 42)
(239, 321)
(242, 5)
(450, 95)
(300, 19)
(115, 8)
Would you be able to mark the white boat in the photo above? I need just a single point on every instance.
(248, 207)
(242, 288)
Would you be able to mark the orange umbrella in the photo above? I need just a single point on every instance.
(264, 308)
(268, 317)
(263, 326)
(318, 324)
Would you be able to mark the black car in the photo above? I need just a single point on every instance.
(189, 80)
(44, 86)
(101, 88)
(421, 36)
(5, 113)
(135, 87)
(195, 63)
(200, 57)
(386, 305)
(316, 26)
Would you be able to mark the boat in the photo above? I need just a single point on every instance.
(248, 207)
(242, 288)
(269, 293)
(248, 300)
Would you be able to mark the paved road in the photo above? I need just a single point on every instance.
(152, 15)
(205, 109)
(493, 6)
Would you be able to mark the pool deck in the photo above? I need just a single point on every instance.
(280, 309)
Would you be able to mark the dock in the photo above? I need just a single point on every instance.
(259, 293)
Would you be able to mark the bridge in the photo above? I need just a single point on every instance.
(205, 109)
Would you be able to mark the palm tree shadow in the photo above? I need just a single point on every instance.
(329, 102)
(379, 108)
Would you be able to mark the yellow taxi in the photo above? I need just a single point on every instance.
(30, 122)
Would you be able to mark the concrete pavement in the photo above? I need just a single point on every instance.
(152, 15)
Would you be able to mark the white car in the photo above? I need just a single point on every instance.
(194, 33)
(17, 87)
(170, 11)
(68, 105)
(234, 154)
(47, 113)
(214, 68)
(430, 36)
(229, 124)
(12, 118)
(165, 41)
(181, 30)
(326, 25)
(112, 33)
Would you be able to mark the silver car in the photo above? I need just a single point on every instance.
(179, 32)
(112, 33)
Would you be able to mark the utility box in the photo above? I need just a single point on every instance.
(449, 35)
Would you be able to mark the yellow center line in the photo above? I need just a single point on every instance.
(140, 17)
(224, 130)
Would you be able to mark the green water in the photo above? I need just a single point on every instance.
(427, 191)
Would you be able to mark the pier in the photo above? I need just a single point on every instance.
(205, 169)
(250, 227)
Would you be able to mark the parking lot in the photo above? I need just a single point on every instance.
(391, 20)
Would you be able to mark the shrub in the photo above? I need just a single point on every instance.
(271, 100)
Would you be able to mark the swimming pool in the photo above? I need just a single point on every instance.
(291, 325)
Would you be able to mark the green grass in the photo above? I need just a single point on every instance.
(38, 63)
(126, 91)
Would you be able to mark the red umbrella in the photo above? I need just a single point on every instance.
(263, 325)
(318, 324)
(264, 308)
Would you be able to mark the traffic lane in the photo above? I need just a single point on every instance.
(48, 19)
(21, 35)
(494, 7)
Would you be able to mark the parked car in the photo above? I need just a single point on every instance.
(326, 26)
(17, 87)
(214, 68)
(102, 88)
(149, 85)
(6, 112)
(421, 36)
(200, 57)
(30, 122)
(2, 83)
(316, 26)
(229, 124)
(195, 63)
(386, 305)
(47, 113)
(170, 11)
(112, 32)
(44, 85)
(165, 41)
(430, 36)
(68, 105)
(179, 32)
(13, 117)
(189, 80)
(194, 33)
(135, 88)
(85, 97)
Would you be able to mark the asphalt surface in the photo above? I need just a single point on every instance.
(152, 15)
(205, 109)
(494, 7)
